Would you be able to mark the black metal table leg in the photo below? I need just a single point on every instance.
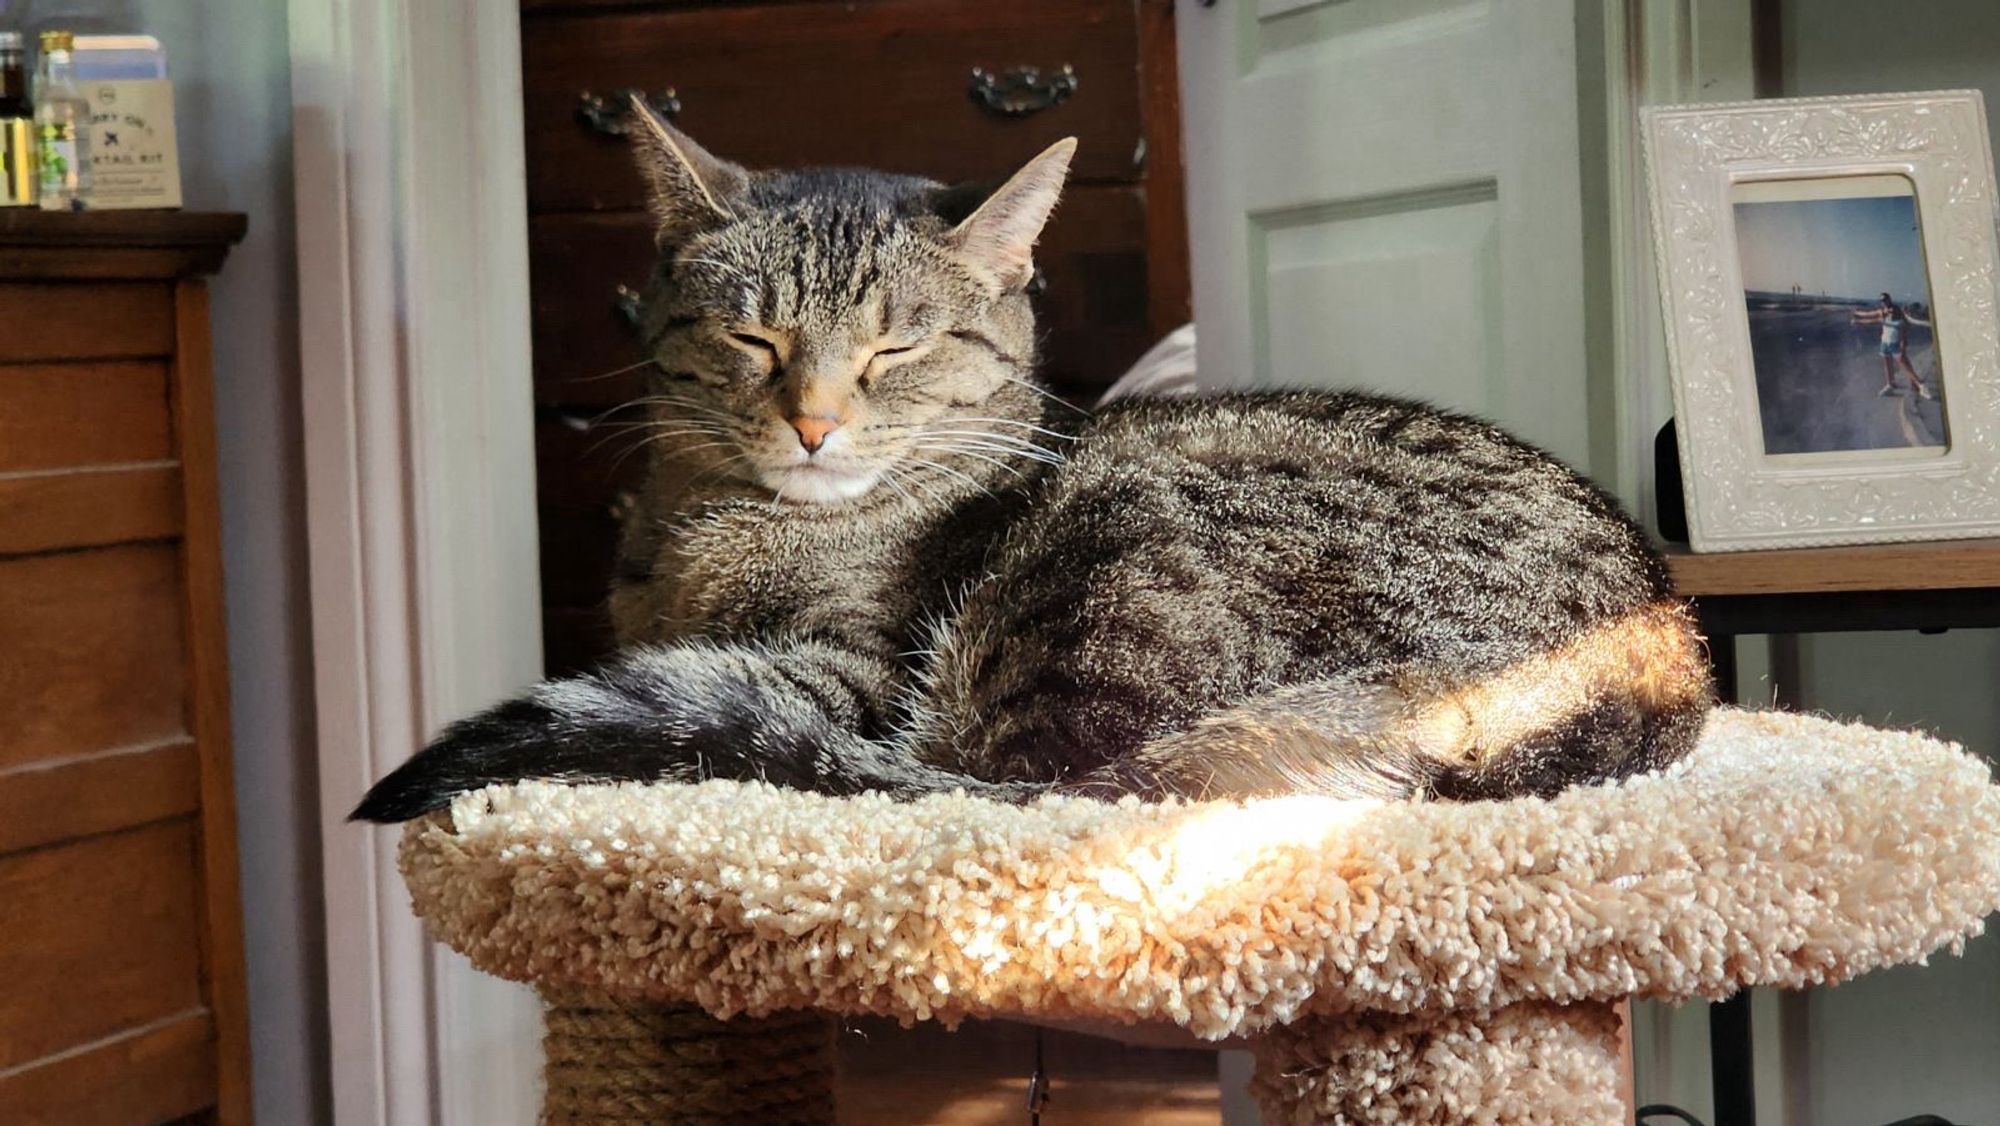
(1729, 1051)
(1729, 1061)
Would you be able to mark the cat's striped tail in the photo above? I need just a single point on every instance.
(785, 714)
(1627, 696)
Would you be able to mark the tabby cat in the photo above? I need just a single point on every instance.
(875, 555)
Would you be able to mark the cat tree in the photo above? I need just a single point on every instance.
(1415, 962)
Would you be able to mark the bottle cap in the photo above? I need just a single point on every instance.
(58, 40)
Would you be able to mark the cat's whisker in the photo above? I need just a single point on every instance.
(963, 452)
(684, 404)
(625, 429)
(1047, 394)
(612, 374)
(999, 444)
(725, 425)
(649, 435)
(596, 420)
(1025, 425)
(685, 396)
(989, 439)
(957, 419)
(681, 450)
(909, 475)
(726, 267)
(717, 468)
(889, 479)
(678, 391)
(998, 438)
(667, 431)
(965, 477)
(649, 431)
(949, 428)
(1007, 454)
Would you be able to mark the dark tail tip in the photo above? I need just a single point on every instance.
(495, 747)
(394, 800)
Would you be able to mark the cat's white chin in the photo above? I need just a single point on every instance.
(815, 484)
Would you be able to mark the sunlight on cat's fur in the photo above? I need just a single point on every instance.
(873, 553)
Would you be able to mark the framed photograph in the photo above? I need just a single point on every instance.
(1827, 274)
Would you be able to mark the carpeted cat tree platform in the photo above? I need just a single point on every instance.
(1417, 962)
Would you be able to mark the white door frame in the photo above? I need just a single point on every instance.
(1653, 52)
(419, 453)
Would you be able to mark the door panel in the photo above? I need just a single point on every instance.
(1345, 288)
(1384, 194)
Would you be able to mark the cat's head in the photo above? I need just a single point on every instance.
(833, 330)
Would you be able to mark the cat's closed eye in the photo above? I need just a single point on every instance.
(897, 353)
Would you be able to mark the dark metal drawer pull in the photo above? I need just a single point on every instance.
(627, 302)
(1020, 91)
(611, 114)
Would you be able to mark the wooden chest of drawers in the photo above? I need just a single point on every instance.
(889, 84)
(121, 966)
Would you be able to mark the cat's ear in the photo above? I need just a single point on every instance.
(998, 238)
(687, 189)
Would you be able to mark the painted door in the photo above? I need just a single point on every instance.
(1384, 194)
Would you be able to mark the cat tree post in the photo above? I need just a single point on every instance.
(614, 1061)
(1562, 1059)
(1400, 962)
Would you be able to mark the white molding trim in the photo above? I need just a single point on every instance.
(412, 234)
(1656, 51)
(1659, 51)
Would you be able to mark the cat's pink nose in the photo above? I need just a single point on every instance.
(813, 431)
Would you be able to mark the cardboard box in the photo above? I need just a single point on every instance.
(134, 158)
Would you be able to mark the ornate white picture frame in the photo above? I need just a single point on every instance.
(1701, 161)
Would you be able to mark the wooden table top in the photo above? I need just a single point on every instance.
(1943, 565)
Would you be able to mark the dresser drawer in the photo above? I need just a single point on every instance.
(106, 927)
(91, 652)
(84, 320)
(57, 416)
(879, 83)
(89, 508)
(579, 475)
(165, 1072)
(585, 347)
(1093, 308)
(104, 1018)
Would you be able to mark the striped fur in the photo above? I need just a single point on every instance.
(969, 586)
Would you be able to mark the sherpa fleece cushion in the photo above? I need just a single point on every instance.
(1785, 850)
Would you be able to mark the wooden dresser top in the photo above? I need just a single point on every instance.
(121, 244)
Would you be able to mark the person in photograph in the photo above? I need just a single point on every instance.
(1895, 322)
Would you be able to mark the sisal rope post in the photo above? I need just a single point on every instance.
(1543, 1062)
(611, 1061)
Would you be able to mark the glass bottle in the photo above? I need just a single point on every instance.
(62, 136)
(17, 127)
(13, 75)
